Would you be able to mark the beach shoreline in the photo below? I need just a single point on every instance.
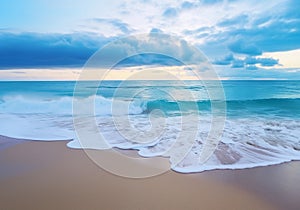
(49, 175)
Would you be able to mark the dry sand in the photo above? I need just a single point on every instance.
(48, 175)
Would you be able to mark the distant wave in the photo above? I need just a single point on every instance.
(281, 106)
(63, 106)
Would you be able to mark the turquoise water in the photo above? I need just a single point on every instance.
(262, 124)
(264, 98)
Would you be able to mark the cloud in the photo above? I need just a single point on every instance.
(251, 67)
(239, 20)
(32, 50)
(211, 1)
(149, 59)
(245, 47)
(271, 28)
(150, 49)
(227, 60)
(26, 50)
(278, 30)
(248, 62)
(234, 34)
(170, 12)
(118, 24)
(262, 61)
(278, 35)
(188, 5)
(253, 72)
(156, 30)
(201, 30)
(237, 63)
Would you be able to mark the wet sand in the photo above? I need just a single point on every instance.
(48, 175)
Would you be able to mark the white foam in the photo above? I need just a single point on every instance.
(253, 143)
(63, 105)
(246, 142)
(34, 127)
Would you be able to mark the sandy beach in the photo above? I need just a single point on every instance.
(48, 175)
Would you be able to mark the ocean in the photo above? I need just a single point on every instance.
(261, 119)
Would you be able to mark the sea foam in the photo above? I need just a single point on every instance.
(261, 128)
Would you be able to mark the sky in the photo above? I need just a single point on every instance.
(243, 39)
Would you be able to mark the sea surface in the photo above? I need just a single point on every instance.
(261, 119)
